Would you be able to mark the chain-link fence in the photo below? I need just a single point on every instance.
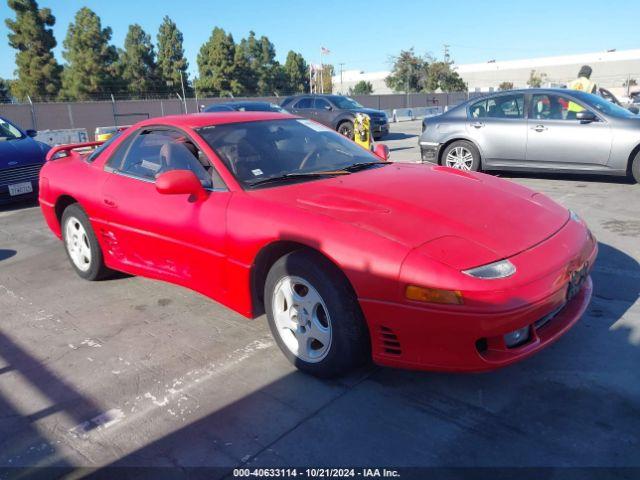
(118, 112)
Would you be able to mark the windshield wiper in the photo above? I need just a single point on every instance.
(296, 175)
(362, 165)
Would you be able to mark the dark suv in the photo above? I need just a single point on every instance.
(337, 112)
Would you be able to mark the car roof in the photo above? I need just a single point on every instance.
(199, 120)
(240, 103)
(529, 91)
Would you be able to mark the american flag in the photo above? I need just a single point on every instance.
(325, 51)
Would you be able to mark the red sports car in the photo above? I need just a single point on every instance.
(350, 256)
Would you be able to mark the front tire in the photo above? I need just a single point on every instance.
(314, 315)
(81, 244)
(462, 155)
(346, 129)
(635, 168)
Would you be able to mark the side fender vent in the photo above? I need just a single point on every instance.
(389, 341)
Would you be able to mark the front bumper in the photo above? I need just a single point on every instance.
(15, 176)
(429, 151)
(380, 129)
(457, 338)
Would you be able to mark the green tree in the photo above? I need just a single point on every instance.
(91, 61)
(296, 72)
(361, 88)
(536, 79)
(327, 78)
(264, 73)
(216, 65)
(408, 72)
(138, 61)
(441, 77)
(171, 60)
(506, 86)
(5, 97)
(38, 72)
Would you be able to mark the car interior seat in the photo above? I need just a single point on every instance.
(177, 156)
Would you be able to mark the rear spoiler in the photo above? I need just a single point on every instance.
(65, 150)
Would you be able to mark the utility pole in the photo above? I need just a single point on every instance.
(341, 89)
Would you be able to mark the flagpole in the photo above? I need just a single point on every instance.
(321, 72)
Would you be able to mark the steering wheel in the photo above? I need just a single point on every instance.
(308, 156)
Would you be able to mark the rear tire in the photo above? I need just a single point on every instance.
(462, 155)
(346, 129)
(635, 168)
(314, 315)
(81, 244)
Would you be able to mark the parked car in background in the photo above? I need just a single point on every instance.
(337, 112)
(244, 107)
(269, 213)
(535, 130)
(21, 158)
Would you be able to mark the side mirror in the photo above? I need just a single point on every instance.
(382, 151)
(180, 182)
(585, 116)
(633, 109)
(31, 133)
(328, 107)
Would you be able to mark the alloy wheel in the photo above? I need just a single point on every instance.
(302, 319)
(460, 158)
(77, 243)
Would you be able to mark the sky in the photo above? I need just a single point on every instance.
(366, 34)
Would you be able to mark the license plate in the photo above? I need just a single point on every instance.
(576, 279)
(20, 188)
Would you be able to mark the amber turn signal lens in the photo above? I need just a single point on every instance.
(433, 295)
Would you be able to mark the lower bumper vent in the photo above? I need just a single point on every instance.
(389, 341)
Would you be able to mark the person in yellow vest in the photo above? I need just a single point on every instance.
(362, 131)
(584, 84)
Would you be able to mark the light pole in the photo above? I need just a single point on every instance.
(184, 97)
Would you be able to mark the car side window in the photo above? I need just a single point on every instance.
(553, 107)
(304, 103)
(503, 106)
(321, 104)
(478, 109)
(153, 152)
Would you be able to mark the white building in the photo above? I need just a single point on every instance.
(611, 69)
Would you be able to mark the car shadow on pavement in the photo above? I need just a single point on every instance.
(6, 253)
(19, 205)
(616, 278)
(397, 136)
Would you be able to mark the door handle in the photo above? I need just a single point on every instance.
(539, 128)
(110, 203)
(477, 124)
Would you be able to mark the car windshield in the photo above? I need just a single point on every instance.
(607, 107)
(9, 131)
(260, 107)
(262, 151)
(345, 103)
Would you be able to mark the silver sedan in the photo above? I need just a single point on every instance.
(552, 130)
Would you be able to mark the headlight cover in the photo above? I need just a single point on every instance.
(492, 271)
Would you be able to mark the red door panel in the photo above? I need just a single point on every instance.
(169, 237)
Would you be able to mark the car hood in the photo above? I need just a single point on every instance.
(24, 151)
(368, 111)
(415, 204)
